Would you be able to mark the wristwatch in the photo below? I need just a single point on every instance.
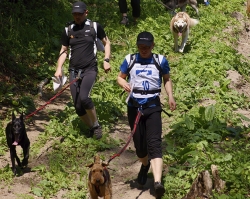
(106, 60)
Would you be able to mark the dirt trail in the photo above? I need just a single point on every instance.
(123, 169)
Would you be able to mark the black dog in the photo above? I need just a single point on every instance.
(16, 135)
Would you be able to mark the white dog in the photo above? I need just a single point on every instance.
(180, 26)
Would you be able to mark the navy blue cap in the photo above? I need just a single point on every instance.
(145, 38)
(79, 7)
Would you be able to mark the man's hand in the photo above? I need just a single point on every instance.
(58, 73)
(172, 103)
(106, 67)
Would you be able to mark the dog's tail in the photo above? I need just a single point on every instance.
(193, 22)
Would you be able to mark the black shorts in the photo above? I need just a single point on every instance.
(81, 90)
(147, 137)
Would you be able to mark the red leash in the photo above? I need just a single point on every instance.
(139, 114)
(51, 99)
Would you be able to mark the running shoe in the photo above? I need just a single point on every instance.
(96, 132)
(124, 20)
(159, 190)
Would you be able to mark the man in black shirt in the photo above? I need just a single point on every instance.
(82, 54)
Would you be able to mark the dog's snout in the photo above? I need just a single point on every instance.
(180, 29)
(98, 180)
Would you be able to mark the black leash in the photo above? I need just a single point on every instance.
(173, 10)
(168, 114)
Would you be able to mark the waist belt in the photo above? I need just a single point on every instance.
(155, 102)
(147, 92)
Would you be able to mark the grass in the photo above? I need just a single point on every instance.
(199, 136)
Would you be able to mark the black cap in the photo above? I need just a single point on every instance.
(145, 38)
(79, 7)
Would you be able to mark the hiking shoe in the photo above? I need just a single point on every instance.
(159, 190)
(143, 174)
(97, 132)
(124, 21)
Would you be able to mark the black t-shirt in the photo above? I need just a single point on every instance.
(81, 45)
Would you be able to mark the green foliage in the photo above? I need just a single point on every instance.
(205, 129)
(3, 144)
(67, 161)
(6, 174)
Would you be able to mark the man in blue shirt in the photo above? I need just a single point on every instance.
(144, 86)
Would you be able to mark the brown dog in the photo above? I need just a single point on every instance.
(99, 181)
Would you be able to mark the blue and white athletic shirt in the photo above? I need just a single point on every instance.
(145, 76)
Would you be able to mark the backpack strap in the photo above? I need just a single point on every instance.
(68, 28)
(98, 43)
(93, 29)
(131, 62)
(157, 62)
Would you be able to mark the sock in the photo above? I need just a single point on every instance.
(95, 124)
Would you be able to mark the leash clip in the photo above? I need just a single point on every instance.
(79, 74)
(140, 109)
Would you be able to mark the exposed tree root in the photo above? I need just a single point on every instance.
(203, 185)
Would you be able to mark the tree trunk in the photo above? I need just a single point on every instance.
(203, 185)
(219, 184)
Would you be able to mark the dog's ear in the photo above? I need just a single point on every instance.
(97, 159)
(90, 165)
(105, 164)
(13, 116)
(21, 116)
